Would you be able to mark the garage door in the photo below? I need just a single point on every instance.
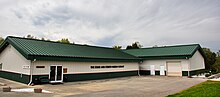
(174, 69)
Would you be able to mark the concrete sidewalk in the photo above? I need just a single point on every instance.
(12, 84)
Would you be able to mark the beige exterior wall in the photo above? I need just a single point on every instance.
(197, 61)
(194, 63)
(146, 64)
(83, 67)
(13, 61)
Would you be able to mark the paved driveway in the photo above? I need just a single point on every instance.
(154, 86)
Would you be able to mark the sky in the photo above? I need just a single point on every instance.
(115, 22)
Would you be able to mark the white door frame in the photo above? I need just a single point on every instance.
(56, 81)
(152, 69)
(162, 70)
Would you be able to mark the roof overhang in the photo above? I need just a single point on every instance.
(79, 59)
(166, 57)
(62, 58)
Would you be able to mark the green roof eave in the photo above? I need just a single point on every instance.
(2, 46)
(7, 42)
(166, 57)
(20, 50)
(167, 52)
(199, 48)
(80, 59)
(31, 47)
(29, 56)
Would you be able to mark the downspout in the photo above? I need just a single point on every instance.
(188, 67)
(31, 72)
(139, 63)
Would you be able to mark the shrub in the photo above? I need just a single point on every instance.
(207, 75)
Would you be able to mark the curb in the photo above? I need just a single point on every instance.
(3, 84)
(214, 80)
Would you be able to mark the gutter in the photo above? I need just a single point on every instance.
(31, 72)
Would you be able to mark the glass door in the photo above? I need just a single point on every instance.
(59, 73)
(52, 73)
(56, 73)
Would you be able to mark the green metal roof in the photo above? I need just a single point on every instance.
(166, 52)
(47, 50)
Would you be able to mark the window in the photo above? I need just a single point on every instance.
(97, 66)
(102, 67)
(108, 66)
(115, 66)
(92, 67)
(1, 66)
(121, 66)
(40, 66)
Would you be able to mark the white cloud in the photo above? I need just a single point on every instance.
(114, 22)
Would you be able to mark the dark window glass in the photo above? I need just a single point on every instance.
(52, 73)
(122, 66)
(40, 66)
(108, 66)
(97, 66)
(115, 66)
(59, 72)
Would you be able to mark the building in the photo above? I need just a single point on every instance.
(37, 61)
(180, 60)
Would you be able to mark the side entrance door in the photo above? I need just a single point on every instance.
(152, 70)
(56, 74)
(162, 70)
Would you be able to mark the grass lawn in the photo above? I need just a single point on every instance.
(205, 89)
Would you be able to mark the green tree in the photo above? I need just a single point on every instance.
(210, 58)
(30, 36)
(64, 40)
(218, 53)
(117, 47)
(216, 66)
(43, 38)
(1, 40)
(135, 45)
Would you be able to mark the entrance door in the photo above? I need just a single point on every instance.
(162, 70)
(56, 73)
(152, 70)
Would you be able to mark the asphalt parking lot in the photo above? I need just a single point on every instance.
(153, 86)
